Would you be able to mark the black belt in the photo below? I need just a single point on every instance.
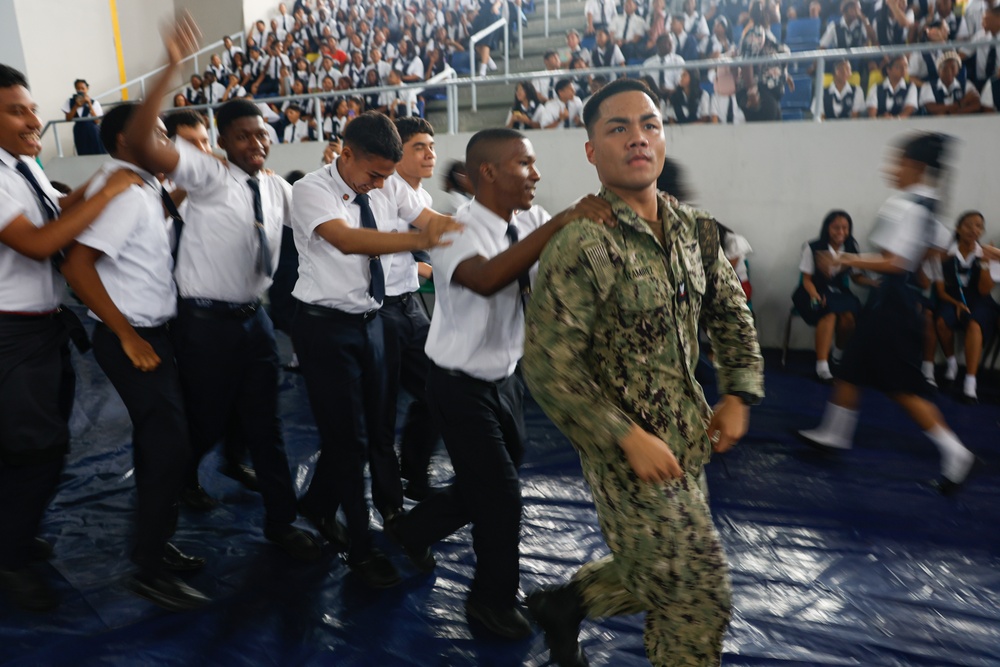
(67, 317)
(399, 298)
(160, 328)
(465, 376)
(339, 315)
(28, 317)
(220, 310)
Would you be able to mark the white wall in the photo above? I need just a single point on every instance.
(773, 183)
(11, 48)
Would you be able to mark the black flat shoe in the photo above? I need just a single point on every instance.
(196, 498)
(175, 560)
(422, 558)
(507, 622)
(332, 530)
(167, 591)
(27, 590)
(295, 542)
(417, 491)
(375, 570)
(558, 612)
(242, 473)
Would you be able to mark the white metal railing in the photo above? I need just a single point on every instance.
(558, 15)
(193, 58)
(452, 83)
(500, 23)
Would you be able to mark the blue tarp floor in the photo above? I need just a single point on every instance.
(836, 560)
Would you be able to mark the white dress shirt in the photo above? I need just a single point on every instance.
(720, 108)
(554, 107)
(402, 277)
(901, 228)
(219, 245)
(295, 132)
(626, 28)
(837, 101)
(26, 285)
(478, 335)
(670, 78)
(328, 277)
(136, 269)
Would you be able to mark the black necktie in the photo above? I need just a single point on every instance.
(523, 281)
(663, 73)
(565, 122)
(264, 251)
(991, 63)
(48, 208)
(628, 18)
(729, 111)
(376, 284)
(172, 211)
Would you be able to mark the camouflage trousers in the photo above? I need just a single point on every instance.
(669, 563)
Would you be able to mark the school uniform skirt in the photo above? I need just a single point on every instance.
(984, 311)
(836, 302)
(887, 347)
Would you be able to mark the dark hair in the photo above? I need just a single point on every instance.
(963, 216)
(757, 12)
(529, 92)
(548, 54)
(451, 176)
(929, 148)
(183, 118)
(293, 107)
(113, 124)
(233, 110)
(10, 77)
(294, 175)
(482, 146)
(671, 180)
(591, 111)
(79, 81)
(372, 133)
(850, 243)
(561, 84)
(408, 126)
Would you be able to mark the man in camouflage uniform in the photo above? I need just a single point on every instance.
(610, 354)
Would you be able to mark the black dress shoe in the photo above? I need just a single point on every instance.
(559, 612)
(417, 491)
(507, 622)
(332, 530)
(196, 498)
(421, 557)
(242, 473)
(27, 590)
(175, 560)
(167, 591)
(295, 542)
(375, 569)
(39, 549)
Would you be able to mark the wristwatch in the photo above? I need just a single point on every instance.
(746, 397)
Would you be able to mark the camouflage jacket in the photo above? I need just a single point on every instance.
(612, 332)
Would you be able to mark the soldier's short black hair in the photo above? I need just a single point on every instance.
(407, 126)
(233, 110)
(591, 111)
(113, 124)
(10, 77)
(183, 119)
(372, 133)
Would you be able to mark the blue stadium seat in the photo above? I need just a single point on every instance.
(420, 108)
(802, 32)
(708, 87)
(460, 62)
(589, 42)
(792, 114)
(801, 97)
(776, 31)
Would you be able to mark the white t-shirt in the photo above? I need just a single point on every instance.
(136, 269)
(477, 335)
(26, 285)
(220, 245)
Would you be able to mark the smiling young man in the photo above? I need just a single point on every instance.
(228, 250)
(482, 284)
(36, 377)
(610, 355)
(346, 231)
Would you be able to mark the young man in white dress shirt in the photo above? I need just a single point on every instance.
(122, 269)
(476, 338)
(346, 232)
(563, 111)
(36, 377)
(226, 352)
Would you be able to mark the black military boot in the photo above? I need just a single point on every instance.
(559, 612)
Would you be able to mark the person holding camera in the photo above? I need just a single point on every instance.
(86, 133)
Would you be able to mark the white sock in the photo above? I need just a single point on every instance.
(836, 354)
(969, 387)
(927, 368)
(956, 460)
(951, 372)
(482, 69)
(491, 64)
(823, 370)
(836, 429)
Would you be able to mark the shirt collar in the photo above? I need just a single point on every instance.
(340, 186)
(922, 190)
(625, 214)
(477, 212)
(954, 85)
(151, 180)
(9, 159)
(895, 89)
(977, 252)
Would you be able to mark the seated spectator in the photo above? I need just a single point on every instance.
(851, 30)
(335, 122)
(581, 82)
(398, 103)
(722, 45)
(658, 19)
(964, 301)
(301, 71)
(218, 70)
(193, 92)
(180, 101)
(253, 72)
(972, 18)
(628, 31)
(370, 97)
(565, 110)
(689, 103)
(841, 99)
(597, 82)
(606, 53)
(434, 61)
(599, 14)
(212, 91)
(725, 110)
(356, 70)
(696, 27)
(229, 51)
(408, 63)
(759, 88)
(893, 22)
(526, 110)
(894, 97)
(949, 95)
(296, 129)
(233, 88)
(983, 63)
(990, 95)
(307, 107)
(666, 80)
(573, 48)
(685, 46)
(86, 133)
(545, 86)
(923, 64)
(944, 13)
(826, 301)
